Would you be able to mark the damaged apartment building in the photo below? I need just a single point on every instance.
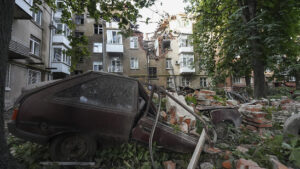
(36, 50)
(172, 63)
(110, 51)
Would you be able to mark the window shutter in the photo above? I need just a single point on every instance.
(109, 36)
(131, 42)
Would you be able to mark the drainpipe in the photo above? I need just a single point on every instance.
(50, 43)
(103, 47)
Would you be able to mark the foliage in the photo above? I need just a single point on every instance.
(125, 156)
(269, 110)
(191, 100)
(234, 37)
(222, 100)
(279, 91)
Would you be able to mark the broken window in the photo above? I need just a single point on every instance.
(103, 92)
(152, 72)
(98, 29)
(133, 42)
(168, 63)
(97, 66)
(134, 63)
(97, 48)
(35, 46)
(33, 76)
(203, 83)
(79, 19)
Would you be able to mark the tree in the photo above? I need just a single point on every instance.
(241, 36)
(125, 10)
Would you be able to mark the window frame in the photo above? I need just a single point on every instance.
(79, 18)
(235, 81)
(98, 28)
(111, 38)
(134, 42)
(98, 64)
(186, 82)
(169, 63)
(29, 80)
(99, 47)
(203, 80)
(170, 80)
(135, 62)
(151, 74)
(33, 41)
(34, 17)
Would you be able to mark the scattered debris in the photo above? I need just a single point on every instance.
(242, 164)
(206, 165)
(292, 125)
(169, 165)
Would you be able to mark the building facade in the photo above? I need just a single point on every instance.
(33, 50)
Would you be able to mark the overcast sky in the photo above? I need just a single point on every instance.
(157, 11)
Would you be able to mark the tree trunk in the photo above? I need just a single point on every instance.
(259, 78)
(6, 18)
(248, 80)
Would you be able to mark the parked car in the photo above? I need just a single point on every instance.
(77, 114)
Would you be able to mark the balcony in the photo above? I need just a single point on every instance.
(186, 69)
(115, 48)
(188, 49)
(115, 69)
(57, 14)
(61, 67)
(18, 50)
(61, 39)
(22, 9)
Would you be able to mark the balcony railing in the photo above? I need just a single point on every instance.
(61, 67)
(118, 48)
(115, 69)
(186, 69)
(186, 49)
(61, 39)
(18, 50)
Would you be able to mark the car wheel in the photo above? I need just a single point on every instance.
(72, 147)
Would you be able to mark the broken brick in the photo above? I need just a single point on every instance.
(227, 155)
(211, 150)
(164, 115)
(208, 92)
(242, 164)
(252, 128)
(227, 164)
(169, 165)
(242, 149)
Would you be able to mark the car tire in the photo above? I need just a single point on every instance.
(73, 147)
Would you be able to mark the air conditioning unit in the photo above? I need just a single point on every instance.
(177, 63)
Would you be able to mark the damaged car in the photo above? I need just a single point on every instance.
(80, 113)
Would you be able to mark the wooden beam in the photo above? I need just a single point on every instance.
(194, 160)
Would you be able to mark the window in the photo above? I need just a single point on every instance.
(7, 80)
(133, 42)
(37, 17)
(34, 46)
(97, 48)
(170, 82)
(203, 82)
(184, 41)
(59, 4)
(168, 63)
(103, 92)
(292, 79)
(34, 76)
(187, 60)
(236, 80)
(116, 65)
(62, 29)
(186, 81)
(134, 63)
(113, 37)
(79, 34)
(152, 72)
(57, 54)
(97, 66)
(98, 29)
(79, 19)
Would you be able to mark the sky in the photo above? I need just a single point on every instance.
(156, 13)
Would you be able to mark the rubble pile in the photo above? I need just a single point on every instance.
(177, 115)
